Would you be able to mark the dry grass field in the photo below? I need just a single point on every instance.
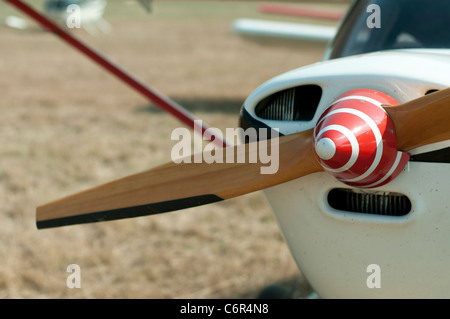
(67, 125)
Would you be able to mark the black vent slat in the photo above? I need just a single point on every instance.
(294, 104)
(349, 200)
(281, 108)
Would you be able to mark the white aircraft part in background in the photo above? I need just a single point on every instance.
(14, 22)
(284, 30)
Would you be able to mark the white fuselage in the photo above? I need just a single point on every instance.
(336, 249)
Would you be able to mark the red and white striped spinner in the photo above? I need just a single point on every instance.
(355, 141)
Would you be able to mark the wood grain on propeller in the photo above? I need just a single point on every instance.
(422, 121)
(176, 186)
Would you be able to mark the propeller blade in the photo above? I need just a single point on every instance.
(173, 186)
(422, 121)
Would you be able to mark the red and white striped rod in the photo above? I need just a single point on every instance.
(160, 100)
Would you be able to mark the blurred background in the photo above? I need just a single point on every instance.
(67, 125)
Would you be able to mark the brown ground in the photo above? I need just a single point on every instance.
(67, 125)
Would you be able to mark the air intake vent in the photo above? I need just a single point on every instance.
(349, 200)
(295, 104)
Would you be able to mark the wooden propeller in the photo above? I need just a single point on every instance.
(173, 186)
(422, 121)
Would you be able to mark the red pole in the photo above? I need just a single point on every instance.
(161, 101)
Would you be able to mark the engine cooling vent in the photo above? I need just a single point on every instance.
(349, 200)
(295, 104)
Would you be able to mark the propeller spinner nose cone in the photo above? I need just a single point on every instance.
(354, 140)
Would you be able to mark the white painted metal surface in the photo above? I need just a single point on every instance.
(334, 248)
(284, 30)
